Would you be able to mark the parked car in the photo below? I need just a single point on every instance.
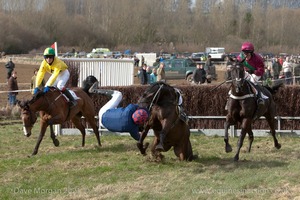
(198, 57)
(81, 54)
(116, 54)
(179, 68)
(68, 55)
(216, 53)
(234, 54)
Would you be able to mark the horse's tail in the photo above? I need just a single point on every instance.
(274, 89)
(88, 83)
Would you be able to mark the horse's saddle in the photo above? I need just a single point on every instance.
(52, 89)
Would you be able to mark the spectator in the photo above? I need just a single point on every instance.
(12, 85)
(136, 61)
(33, 80)
(10, 66)
(153, 76)
(161, 75)
(59, 74)
(199, 74)
(143, 60)
(287, 70)
(148, 71)
(143, 75)
(276, 67)
(267, 75)
(156, 63)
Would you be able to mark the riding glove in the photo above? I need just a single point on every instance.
(36, 90)
(46, 89)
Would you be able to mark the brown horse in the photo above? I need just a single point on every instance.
(162, 102)
(242, 105)
(54, 109)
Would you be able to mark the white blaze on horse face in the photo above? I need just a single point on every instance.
(25, 131)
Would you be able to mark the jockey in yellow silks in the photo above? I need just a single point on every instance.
(59, 74)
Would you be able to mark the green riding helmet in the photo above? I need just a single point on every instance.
(49, 52)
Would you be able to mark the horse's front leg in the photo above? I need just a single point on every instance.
(228, 147)
(53, 137)
(156, 154)
(44, 126)
(245, 128)
(140, 144)
(240, 144)
(251, 138)
(271, 123)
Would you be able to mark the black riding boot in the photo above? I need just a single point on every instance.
(160, 146)
(72, 101)
(260, 105)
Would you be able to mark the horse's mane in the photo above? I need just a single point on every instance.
(155, 86)
(158, 93)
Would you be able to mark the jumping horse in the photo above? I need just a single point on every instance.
(162, 102)
(54, 109)
(242, 106)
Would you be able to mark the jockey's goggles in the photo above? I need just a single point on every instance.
(48, 56)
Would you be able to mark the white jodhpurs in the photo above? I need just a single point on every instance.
(252, 77)
(62, 79)
(112, 103)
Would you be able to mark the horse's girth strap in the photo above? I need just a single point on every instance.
(241, 97)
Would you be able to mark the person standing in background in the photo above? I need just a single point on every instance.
(33, 80)
(10, 66)
(161, 75)
(287, 70)
(276, 67)
(12, 86)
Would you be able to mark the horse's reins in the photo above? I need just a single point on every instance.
(157, 93)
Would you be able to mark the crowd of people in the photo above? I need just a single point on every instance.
(150, 76)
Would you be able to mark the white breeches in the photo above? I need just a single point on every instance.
(112, 103)
(62, 79)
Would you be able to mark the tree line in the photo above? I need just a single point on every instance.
(156, 25)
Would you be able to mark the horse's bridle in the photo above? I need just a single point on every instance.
(31, 117)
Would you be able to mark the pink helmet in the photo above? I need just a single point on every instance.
(140, 116)
(247, 46)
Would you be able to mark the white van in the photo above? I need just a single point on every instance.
(216, 53)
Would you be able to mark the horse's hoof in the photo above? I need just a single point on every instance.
(228, 149)
(159, 147)
(142, 147)
(56, 142)
(278, 146)
(236, 158)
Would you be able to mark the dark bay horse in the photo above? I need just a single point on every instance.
(162, 102)
(242, 105)
(54, 109)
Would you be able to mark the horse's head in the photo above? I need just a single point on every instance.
(237, 75)
(28, 117)
(89, 82)
(158, 93)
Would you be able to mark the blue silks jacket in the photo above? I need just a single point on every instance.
(120, 120)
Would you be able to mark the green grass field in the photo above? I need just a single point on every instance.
(118, 171)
